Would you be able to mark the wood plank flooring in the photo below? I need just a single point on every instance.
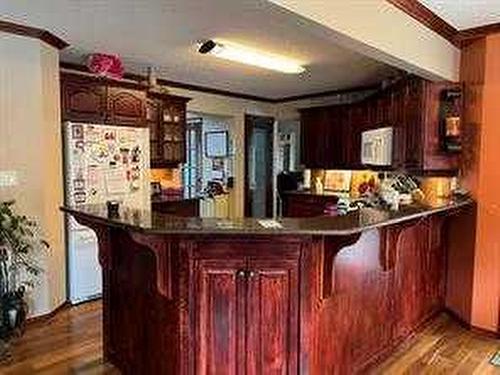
(70, 343)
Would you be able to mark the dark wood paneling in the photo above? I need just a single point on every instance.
(268, 304)
(461, 237)
(33, 32)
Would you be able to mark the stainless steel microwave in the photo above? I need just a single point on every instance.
(376, 146)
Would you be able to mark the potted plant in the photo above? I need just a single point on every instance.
(20, 249)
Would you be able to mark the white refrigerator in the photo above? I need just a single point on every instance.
(101, 163)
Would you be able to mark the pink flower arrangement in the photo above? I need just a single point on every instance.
(105, 65)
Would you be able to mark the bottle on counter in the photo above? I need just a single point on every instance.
(318, 185)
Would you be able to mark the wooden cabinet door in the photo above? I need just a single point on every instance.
(414, 110)
(309, 129)
(173, 130)
(83, 100)
(272, 313)
(220, 316)
(126, 107)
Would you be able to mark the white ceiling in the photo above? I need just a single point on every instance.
(464, 14)
(163, 33)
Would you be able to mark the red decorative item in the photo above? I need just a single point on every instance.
(106, 65)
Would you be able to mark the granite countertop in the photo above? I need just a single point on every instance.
(156, 223)
(172, 200)
(326, 193)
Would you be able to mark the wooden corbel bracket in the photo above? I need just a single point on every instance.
(331, 247)
(390, 241)
(161, 248)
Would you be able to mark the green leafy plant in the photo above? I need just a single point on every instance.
(20, 250)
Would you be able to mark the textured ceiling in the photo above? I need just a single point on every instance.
(464, 14)
(163, 34)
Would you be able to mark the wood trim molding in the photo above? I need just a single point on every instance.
(428, 18)
(72, 67)
(42, 319)
(478, 32)
(329, 93)
(33, 32)
(163, 255)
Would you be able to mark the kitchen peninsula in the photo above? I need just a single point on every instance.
(323, 295)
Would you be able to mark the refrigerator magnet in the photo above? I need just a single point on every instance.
(109, 136)
(79, 184)
(80, 197)
(136, 154)
(79, 145)
(77, 132)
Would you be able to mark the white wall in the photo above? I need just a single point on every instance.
(235, 109)
(30, 145)
(378, 29)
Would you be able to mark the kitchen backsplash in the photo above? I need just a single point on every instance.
(169, 178)
(356, 181)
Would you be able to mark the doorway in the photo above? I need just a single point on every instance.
(258, 166)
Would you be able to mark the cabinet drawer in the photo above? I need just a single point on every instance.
(265, 248)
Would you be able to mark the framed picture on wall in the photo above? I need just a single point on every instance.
(216, 144)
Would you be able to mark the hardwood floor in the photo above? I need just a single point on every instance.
(444, 347)
(70, 343)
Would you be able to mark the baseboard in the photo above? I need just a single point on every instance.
(381, 356)
(44, 317)
(470, 327)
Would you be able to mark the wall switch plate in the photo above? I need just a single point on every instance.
(8, 178)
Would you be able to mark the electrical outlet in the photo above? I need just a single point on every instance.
(8, 178)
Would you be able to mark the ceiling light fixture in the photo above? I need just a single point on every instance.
(235, 52)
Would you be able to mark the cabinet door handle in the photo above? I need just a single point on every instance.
(251, 274)
(241, 273)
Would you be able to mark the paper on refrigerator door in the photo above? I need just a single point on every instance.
(116, 181)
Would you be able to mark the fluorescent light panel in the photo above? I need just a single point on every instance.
(238, 53)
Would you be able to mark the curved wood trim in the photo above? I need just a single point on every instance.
(33, 32)
(478, 32)
(331, 247)
(163, 254)
(428, 18)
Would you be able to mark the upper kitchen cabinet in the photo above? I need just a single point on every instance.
(126, 106)
(331, 136)
(419, 142)
(325, 137)
(166, 118)
(83, 99)
(101, 101)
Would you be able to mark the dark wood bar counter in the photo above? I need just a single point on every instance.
(326, 295)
